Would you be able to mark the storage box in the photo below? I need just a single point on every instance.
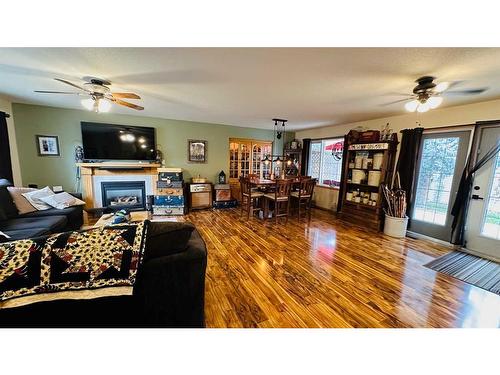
(168, 211)
(170, 191)
(169, 200)
(170, 176)
(222, 195)
(226, 204)
(222, 187)
(169, 184)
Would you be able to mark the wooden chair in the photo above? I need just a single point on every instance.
(281, 199)
(304, 195)
(249, 198)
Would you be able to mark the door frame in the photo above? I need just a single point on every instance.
(474, 156)
(415, 226)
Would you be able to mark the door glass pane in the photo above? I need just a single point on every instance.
(435, 178)
(233, 159)
(491, 222)
(256, 160)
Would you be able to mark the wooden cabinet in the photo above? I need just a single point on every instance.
(245, 158)
(295, 154)
(366, 167)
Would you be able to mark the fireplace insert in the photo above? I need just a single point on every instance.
(118, 195)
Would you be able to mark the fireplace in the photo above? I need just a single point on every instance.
(130, 195)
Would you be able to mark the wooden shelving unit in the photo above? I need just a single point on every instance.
(359, 213)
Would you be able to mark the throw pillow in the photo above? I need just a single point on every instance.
(34, 198)
(8, 209)
(22, 204)
(166, 238)
(62, 200)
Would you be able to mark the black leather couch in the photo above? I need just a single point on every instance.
(169, 292)
(36, 223)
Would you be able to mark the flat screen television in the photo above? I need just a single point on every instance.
(118, 142)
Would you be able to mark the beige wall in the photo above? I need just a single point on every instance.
(6, 106)
(459, 115)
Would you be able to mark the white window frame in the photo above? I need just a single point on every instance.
(322, 142)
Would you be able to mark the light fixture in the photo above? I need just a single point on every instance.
(266, 160)
(423, 107)
(103, 105)
(440, 87)
(423, 104)
(96, 104)
(142, 140)
(434, 101)
(412, 106)
(127, 137)
(88, 103)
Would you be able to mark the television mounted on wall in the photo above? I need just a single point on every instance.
(103, 142)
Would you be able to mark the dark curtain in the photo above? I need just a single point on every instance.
(407, 162)
(461, 205)
(306, 146)
(5, 162)
(343, 176)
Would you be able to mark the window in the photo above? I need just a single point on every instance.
(435, 179)
(325, 161)
(491, 222)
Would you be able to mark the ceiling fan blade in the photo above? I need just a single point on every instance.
(397, 101)
(397, 94)
(72, 84)
(125, 95)
(59, 92)
(127, 104)
(465, 92)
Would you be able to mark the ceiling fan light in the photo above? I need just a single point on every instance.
(434, 101)
(412, 106)
(88, 103)
(424, 107)
(440, 87)
(103, 105)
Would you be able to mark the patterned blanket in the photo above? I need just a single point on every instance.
(97, 258)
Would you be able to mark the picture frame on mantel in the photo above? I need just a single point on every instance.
(47, 145)
(197, 151)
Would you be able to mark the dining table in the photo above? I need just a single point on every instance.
(266, 185)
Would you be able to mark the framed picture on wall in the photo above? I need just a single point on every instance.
(47, 145)
(197, 151)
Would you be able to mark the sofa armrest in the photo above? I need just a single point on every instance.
(172, 288)
(76, 195)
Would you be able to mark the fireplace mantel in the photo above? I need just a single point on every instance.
(89, 170)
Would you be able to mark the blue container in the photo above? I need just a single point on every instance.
(169, 200)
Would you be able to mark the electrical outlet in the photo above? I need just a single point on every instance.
(57, 189)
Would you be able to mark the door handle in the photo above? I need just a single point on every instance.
(476, 197)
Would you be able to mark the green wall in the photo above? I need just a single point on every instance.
(172, 136)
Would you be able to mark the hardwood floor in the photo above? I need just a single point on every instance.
(328, 273)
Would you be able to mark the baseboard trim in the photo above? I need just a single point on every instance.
(420, 236)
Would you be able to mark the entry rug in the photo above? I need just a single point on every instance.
(474, 270)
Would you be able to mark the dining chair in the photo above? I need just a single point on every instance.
(304, 195)
(281, 199)
(249, 198)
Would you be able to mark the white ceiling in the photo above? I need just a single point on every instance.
(249, 86)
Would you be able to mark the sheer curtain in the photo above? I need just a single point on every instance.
(5, 162)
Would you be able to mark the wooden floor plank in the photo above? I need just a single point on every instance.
(329, 273)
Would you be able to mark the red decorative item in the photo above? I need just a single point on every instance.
(369, 136)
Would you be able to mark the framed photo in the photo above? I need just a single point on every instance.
(197, 151)
(47, 145)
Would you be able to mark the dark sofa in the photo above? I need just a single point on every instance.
(36, 223)
(169, 292)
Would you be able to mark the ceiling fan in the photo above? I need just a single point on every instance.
(429, 95)
(100, 94)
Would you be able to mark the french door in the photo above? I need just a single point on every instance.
(442, 159)
(482, 232)
(245, 158)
